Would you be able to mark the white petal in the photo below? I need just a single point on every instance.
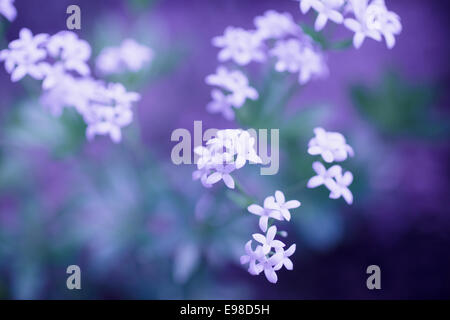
(255, 209)
(263, 223)
(213, 178)
(271, 233)
(259, 237)
(270, 275)
(279, 196)
(228, 180)
(315, 182)
(292, 204)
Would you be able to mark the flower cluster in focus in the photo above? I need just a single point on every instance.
(61, 62)
(228, 151)
(332, 147)
(366, 18)
(270, 254)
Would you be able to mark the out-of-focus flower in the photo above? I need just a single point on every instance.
(130, 56)
(280, 204)
(340, 187)
(25, 55)
(275, 25)
(8, 10)
(265, 213)
(313, 66)
(220, 104)
(386, 22)
(222, 173)
(330, 145)
(366, 18)
(285, 261)
(360, 25)
(108, 120)
(327, 10)
(268, 241)
(288, 54)
(228, 151)
(73, 52)
(234, 82)
(239, 45)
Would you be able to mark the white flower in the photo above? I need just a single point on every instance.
(222, 173)
(130, 55)
(25, 55)
(135, 55)
(239, 45)
(268, 264)
(285, 261)
(288, 54)
(220, 103)
(360, 25)
(73, 52)
(53, 75)
(324, 176)
(305, 5)
(8, 10)
(330, 145)
(280, 204)
(327, 10)
(313, 65)
(120, 96)
(108, 120)
(384, 21)
(234, 82)
(264, 213)
(340, 187)
(268, 241)
(275, 25)
(245, 150)
(251, 257)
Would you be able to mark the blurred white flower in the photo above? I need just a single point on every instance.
(220, 104)
(73, 52)
(129, 56)
(234, 82)
(340, 187)
(8, 10)
(222, 172)
(275, 25)
(288, 54)
(268, 241)
(280, 204)
(327, 10)
(265, 213)
(239, 45)
(108, 120)
(330, 145)
(360, 25)
(386, 22)
(25, 55)
(285, 261)
(312, 66)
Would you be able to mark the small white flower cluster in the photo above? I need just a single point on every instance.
(228, 151)
(61, 62)
(276, 35)
(263, 258)
(8, 10)
(332, 147)
(237, 91)
(366, 18)
(129, 56)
